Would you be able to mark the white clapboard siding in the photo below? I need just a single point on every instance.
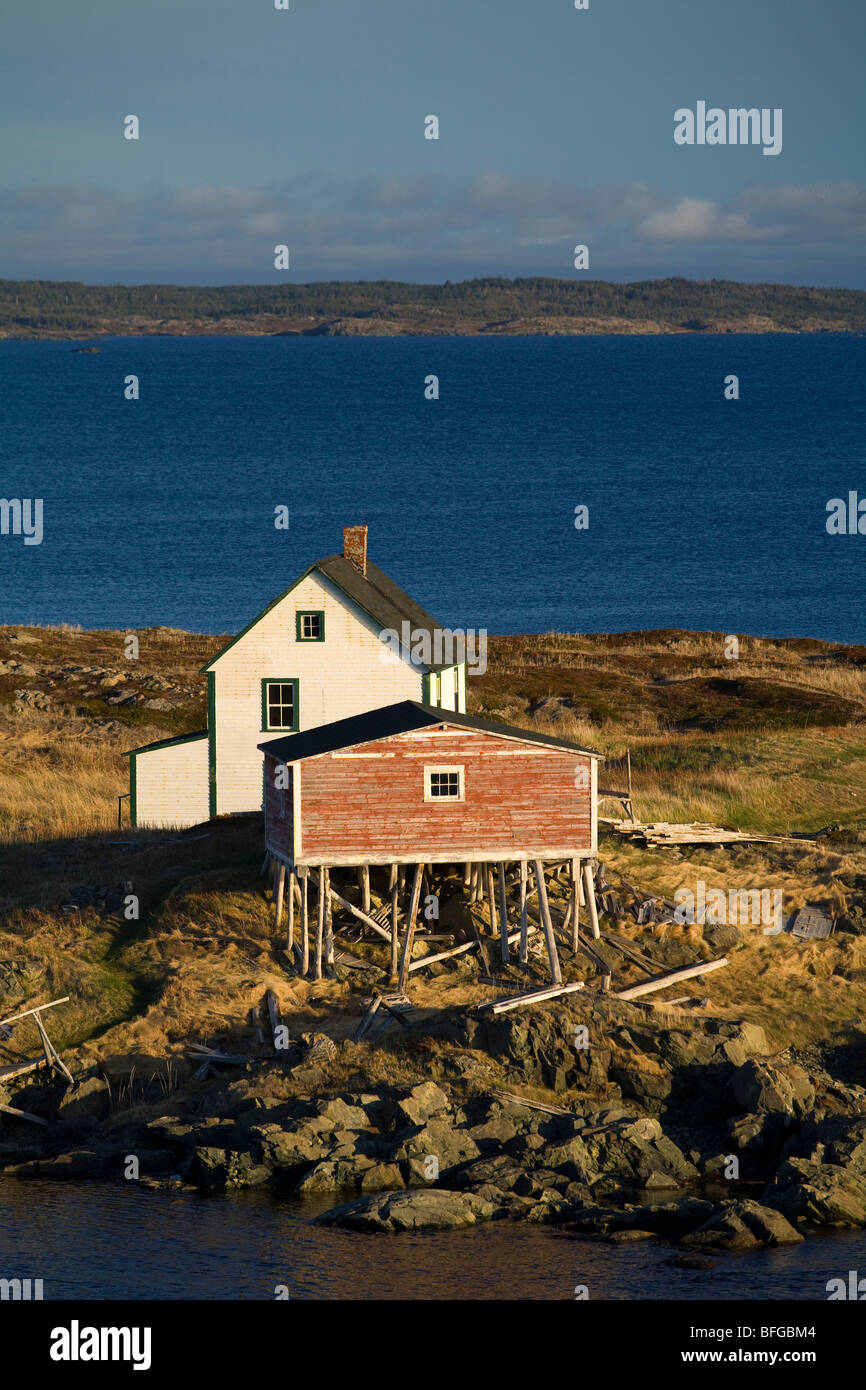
(171, 784)
(350, 672)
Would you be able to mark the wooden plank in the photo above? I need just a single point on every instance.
(305, 927)
(279, 890)
(350, 907)
(533, 996)
(21, 1068)
(290, 925)
(589, 885)
(547, 925)
(491, 897)
(444, 955)
(23, 1115)
(329, 917)
(524, 919)
(37, 1010)
(395, 918)
(647, 966)
(273, 1007)
(503, 917)
(410, 928)
(320, 928)
(623, 943)
(575, 904)
(672, 977)
(485, 961)
(364, 1026)
(52, 1056)
(512, 1099)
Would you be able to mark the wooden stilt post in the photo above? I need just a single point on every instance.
(395, 918)
(401, 878)
(325, 890)
(305, 921)
(364, 879)
(264, 868)
(290, 926)
(279, 893)
(575, 904)
(409, 934)
(547, 924)
(589, 890)
(524, 919)
(320, 931)
(503, 917)
(491, 897)
(467, 875)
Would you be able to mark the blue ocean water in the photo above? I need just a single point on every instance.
(110, 1240)
(703, 512)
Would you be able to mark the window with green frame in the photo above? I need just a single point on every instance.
(310, 625)
(280, 705)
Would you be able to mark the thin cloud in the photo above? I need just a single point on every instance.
(426, 227)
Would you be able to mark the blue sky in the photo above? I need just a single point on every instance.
(305, 126)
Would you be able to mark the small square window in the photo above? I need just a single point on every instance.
(443, 784)
(310, 627)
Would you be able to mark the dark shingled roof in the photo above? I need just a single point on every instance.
(401, 718)
(380, 598)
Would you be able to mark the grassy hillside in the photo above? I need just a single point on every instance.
(775, 741)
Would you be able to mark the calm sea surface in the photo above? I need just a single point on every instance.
(101, 1241)
(704, 513)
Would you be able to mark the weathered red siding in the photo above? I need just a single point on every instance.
(520, 799)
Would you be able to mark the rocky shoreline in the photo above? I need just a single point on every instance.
(682, 1128)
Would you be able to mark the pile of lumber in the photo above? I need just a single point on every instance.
(661, 833)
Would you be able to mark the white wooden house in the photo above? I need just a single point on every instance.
(331, 646)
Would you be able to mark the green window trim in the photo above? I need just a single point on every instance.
(299, 624)
(133, 791)
(211, 745)
(268, 728)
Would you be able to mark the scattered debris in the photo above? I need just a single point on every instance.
(811, 924)
(661, 833)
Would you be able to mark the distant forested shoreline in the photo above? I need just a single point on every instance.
(70, 309)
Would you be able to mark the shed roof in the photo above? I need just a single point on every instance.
(380, 598)
(401, 718)
(166, 743)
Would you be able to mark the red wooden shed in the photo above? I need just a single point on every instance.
(415, 784)
(411, 783)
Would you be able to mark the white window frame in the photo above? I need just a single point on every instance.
(444, 767)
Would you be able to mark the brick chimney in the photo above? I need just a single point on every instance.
(355, 546)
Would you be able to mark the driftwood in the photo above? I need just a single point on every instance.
(672, 977)
(23, 1115)
(197, 1052)
(533, 996)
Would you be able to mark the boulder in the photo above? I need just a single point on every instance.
(341, 1115)
(743, 1224)
(722, 937)
(824, 1194)
(211, 1167)
(774, 1089)
(440, 1139)
(84, 1106)
(340, 1174)
(422, 1103)
(635, 1151)
(433, 1209)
